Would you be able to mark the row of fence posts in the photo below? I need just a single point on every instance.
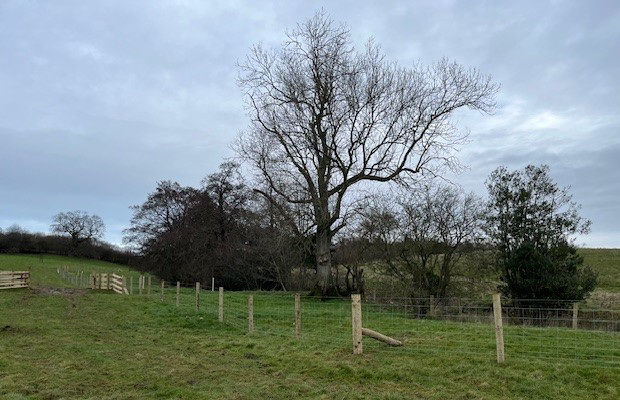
(220, 313)
(356, 322)
(75, 278)
(145, 283)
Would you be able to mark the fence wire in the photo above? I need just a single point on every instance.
(532, 329)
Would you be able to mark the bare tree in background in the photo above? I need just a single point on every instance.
(80, 225)
(325, 118)
(230, 193)
(160, 213)
(423, 237)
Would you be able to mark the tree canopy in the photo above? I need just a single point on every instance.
(326, 117)
(532, 221)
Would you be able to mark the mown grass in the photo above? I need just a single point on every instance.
(84, 344)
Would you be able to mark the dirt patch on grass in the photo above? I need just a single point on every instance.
(55, 291)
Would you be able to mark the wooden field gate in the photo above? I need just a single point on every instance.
(106, 281)
(14, 279)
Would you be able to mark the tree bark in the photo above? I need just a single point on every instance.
(324, 263)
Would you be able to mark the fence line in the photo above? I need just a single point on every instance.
(489, 328)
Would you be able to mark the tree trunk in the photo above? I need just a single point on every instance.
(324, 263)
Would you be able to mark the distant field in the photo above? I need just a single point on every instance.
(83, 344)
(606, 262)
(43, 267)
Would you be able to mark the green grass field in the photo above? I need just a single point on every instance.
(84, 344)
(606, 262)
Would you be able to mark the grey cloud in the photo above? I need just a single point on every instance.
(99, 100)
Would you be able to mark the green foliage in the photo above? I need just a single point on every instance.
(532, 273)
(530, 221)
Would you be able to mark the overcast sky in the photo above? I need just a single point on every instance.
(100, 100)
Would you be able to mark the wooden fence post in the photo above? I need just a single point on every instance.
(499, 329)
(212, 284)
(220, 311)
(178, 291)
(250, 313)
(93, 280)
(297, 316)
(140, 283)
(575, 315)
(130, 284)
(356, 321)
(197, 296)
(148, 290)
(108, 280)
(100, 280)
(161, 292)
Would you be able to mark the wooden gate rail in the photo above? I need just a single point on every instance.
(14, 279)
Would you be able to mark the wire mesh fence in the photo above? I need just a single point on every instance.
(532, 329)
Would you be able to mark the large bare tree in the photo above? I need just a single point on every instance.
(326, 118)
(80, 225)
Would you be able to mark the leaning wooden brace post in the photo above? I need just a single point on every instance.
(250, 313)
(575, 315)
(220, 311)
(178, 292)
(197, 296)
(161, 292)
(499, 329)
(297, 316)
(381, 337)
(356, 322)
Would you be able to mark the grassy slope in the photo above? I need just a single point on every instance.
(97, 345)
(43, 267)
(606, 262)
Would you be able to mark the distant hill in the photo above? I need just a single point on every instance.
(606, 262)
